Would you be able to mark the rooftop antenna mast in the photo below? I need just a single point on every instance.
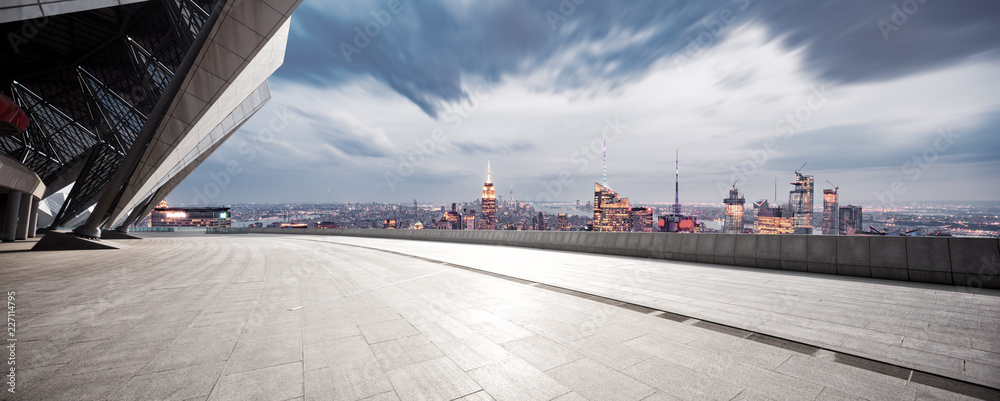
(605, 164)
(677, 180)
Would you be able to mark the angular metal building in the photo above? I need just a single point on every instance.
(126, 98)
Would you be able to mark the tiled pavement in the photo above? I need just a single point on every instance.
(208, 317)
(943, 330)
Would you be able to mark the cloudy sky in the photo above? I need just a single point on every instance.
(379, 101)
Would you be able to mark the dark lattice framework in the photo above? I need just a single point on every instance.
(87, 80)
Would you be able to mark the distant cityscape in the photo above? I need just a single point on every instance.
(610, 211)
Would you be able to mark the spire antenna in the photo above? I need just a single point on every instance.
(605, 164)
(677, 180)
(488, 180)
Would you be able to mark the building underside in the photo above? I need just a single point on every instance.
(126, 100)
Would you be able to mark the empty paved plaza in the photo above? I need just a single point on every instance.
(288, 317)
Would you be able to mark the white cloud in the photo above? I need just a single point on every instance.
(719, 104)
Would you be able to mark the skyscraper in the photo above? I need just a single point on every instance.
(642, 219)
(470, 220)
(773, 220)
(733, 222)
(851, 220)
(563, 223)
(800, 201)
(611, 212)
(489, 203)
(831, 212)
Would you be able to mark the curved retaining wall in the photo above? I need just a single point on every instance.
(967, 262)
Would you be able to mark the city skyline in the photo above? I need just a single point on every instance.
(906, 108)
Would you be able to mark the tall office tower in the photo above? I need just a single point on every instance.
(489, 203)
(773, 220)
(733, 222)
(611, 212)
(454, 218)
(563, 223)
(800, 201)
(470, 220)
(642, 219)
(541, 222)
(851, 220)
(831, 212)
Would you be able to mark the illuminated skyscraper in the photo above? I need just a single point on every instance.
(611, 212)
(642, 219)
(489, 203)
(453, 218)
(851, 220)
(773, 221)
(831, 212)
(470, 220)
(733, 222)
(563, 223)
(800, 201)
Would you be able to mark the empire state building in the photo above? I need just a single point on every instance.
(489, 203)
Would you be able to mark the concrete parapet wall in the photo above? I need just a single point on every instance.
(964, 262)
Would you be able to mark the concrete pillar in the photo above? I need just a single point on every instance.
(10, 220)
(3, 213)
(33, 217)
(23, 217)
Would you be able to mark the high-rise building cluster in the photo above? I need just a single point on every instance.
(797, 216)
(613, 212)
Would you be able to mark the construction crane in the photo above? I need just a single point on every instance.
(800, 168)
(835, 187)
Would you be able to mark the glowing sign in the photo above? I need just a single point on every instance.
(176, 215)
